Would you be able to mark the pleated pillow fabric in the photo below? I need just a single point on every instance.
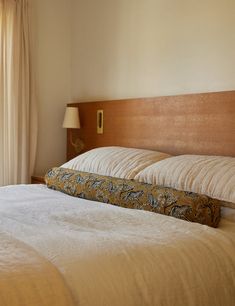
(115, 161)
(213, 176)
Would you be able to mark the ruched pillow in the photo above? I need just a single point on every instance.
(213, 176)
(115, 161)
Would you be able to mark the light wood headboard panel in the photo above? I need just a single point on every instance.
(186, 124)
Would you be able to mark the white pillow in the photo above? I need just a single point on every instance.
(210, 175)
(115, 161)
(228, 213)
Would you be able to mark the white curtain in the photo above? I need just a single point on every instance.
(18, 120)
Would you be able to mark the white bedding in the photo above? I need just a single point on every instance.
(59, 250)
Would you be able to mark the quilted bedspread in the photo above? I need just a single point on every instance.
(60, 250)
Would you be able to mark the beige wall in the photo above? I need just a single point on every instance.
(137, 48)
(102, 49)
(53, 66)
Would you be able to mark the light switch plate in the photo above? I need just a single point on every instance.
(100, 121)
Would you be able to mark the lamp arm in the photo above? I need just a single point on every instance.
(78, 144)
(71, 139)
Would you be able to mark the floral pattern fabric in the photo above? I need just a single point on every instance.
(132, 194)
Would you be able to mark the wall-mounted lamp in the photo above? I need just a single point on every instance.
(72, 121)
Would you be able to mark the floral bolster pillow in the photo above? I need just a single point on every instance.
(132, 194)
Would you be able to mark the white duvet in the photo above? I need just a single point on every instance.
(59, 250)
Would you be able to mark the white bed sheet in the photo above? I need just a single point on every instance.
(59, 250)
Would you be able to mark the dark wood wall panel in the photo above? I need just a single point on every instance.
(185, 124)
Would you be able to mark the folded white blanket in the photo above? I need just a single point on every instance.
(26, 278)
(60, 250)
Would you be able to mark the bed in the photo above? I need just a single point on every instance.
(61, 249)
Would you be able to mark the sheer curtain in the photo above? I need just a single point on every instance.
(18, 120)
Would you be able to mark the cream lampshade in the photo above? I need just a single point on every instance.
(72, 121)
(71, 118)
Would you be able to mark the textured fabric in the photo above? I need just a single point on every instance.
(28, 279)
(213, 176)
(132, 194)
(108, 255)
(115, 161)
(18, 121)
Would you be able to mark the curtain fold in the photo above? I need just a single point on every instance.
(18, 116)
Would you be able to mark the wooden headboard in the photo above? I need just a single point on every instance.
(184, 124)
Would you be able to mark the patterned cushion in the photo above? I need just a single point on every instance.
(132, 194)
